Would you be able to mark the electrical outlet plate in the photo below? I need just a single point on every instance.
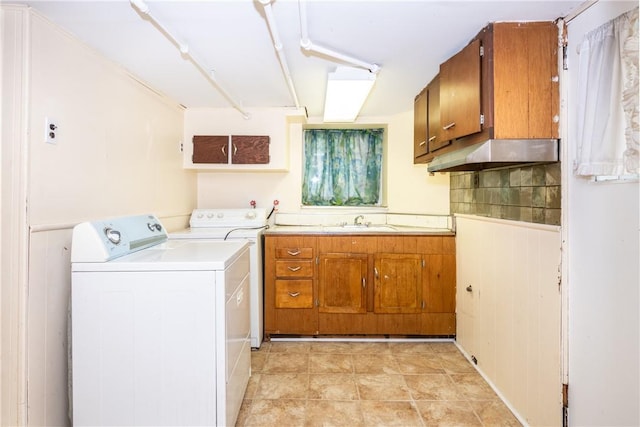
(50, 130)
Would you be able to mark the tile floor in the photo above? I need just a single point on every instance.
(368, 384)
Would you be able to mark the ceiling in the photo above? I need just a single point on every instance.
(407, 39)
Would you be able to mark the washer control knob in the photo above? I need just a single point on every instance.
(251, 215)
(220, 215)
(154, 227)
(209, 215)
(112, 235)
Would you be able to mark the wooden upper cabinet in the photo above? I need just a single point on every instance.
(211, 149)
(523, 81)
(460, 88)
(420, 147)
(248, 149)
(435, 141)
(237, 149)
(503, 85)
(342, 283)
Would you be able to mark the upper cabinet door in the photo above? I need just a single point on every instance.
(420, 126)
(460, 88)
(210, 149)
(435, 141)
(249, 149)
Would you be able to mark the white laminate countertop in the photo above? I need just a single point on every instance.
(370, 230)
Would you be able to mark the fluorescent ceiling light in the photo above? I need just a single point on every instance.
(347, 89)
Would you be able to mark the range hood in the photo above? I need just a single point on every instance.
(495, 153)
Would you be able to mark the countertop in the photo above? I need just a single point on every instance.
(373, 229)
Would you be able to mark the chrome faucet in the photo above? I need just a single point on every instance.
(358, 220)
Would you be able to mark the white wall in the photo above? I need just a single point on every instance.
(603, 277)
(117, 153)
(409, 187)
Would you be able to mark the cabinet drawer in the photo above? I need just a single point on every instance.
(294, 293)
(306, 253)
(294, 269)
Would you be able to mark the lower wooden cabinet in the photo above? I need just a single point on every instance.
(342, 283)
(290, 290)
(359, 285)
(398, 283)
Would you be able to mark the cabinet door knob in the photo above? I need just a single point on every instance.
(294, 252)
(293, 294)
(294, 268)
(364, 282)
(469, 288)
(375, 272)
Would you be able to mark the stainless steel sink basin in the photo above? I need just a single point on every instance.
(352, 228)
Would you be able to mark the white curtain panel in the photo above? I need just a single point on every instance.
(608, 124)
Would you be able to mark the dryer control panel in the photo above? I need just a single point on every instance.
(104, 240)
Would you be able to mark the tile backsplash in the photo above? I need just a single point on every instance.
(530, 193)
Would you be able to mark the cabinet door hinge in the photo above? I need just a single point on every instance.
(317, 303)
(423, 263)
(317, 260)
(481, 50)
(481, 119)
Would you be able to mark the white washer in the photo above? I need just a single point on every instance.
(236, 224)
(160, 329)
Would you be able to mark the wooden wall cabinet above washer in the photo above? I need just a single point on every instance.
(234, 149)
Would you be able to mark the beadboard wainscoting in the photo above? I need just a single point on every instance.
(508, 311)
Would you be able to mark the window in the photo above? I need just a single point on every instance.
(342, 167)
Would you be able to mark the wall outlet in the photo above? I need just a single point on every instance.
(50, 130)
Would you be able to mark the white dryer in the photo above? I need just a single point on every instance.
(160, 329)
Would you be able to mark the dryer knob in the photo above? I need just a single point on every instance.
(220, 214)
(251, 215)
(112, 235)
(210, 215)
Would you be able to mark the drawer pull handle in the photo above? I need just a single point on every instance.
(432, 138)
(295, 252)
(449, 126)
(224, 152)
(293, 294)
(294, 268)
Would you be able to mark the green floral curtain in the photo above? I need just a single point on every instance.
(342, 167)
